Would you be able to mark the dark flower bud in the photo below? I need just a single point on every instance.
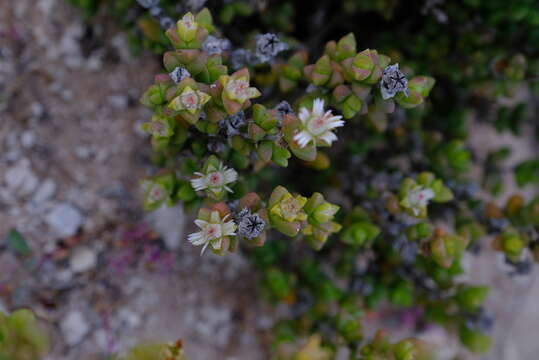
(178, 74)
(284, 108)
(216, 146)
(407, 249)
(250, 225)
(231, 124)
(166, 22)
(268, 46)
(482, 321)
(156, 11)
(195, 5)
(241, 57)
(521, 267)
(393, 81)
(213, 45)
(147, 4)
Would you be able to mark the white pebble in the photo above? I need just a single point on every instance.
(28, 139)
(118, 101)
(64, 219)
(20, 178)
(74, 327)
(83, 259)
(44, 192)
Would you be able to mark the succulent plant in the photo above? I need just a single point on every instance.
(352, 150)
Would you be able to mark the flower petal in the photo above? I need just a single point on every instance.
(329, 137)
(303, 115)
(201, 223)
(230, 175)
(197, 238)
(303, 138)
(199, 183)
(318, 107)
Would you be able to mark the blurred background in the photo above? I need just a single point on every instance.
(101, 273)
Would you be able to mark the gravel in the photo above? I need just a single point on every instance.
(20, 179)
(64, 219)
(45, 192)
(74, 327)
(82, 260)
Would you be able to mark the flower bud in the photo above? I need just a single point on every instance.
(446, 248)
(346, 47)
(187, 27)
(236, 91)
(360, 233)
(363, 64)
(320, 72)
(280, 155)
(470, 298)
(286, 211)
(158, 190)
(154, 96)
(404, 350)
(512, 244)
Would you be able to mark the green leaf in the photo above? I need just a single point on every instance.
(527, 172)
(471, 297)
(474, 341)
(288, 228)
(280, 156)
(402, 295)
(360, 233)
(17, 243)
(278, 282)
(186, 192)
(404, 350)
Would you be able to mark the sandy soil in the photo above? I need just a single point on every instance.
(69, 137)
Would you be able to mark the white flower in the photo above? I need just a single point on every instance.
(317, 125)
(215, 179)
(418, 198)
(156, 193)
(212, 232)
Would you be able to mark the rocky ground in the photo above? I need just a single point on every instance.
(101, 273)
(71, 156)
